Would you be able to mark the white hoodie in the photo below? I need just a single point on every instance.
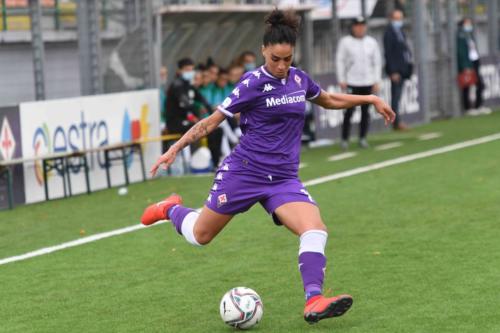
(359, 61)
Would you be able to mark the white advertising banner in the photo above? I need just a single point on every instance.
(74, 124)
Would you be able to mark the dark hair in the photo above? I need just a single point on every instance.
(223, 71)
(462, 21)
(282, 27)
(184, 62)
(247, 53)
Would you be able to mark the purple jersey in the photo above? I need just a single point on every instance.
(272, 118)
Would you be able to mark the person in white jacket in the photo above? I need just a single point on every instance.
(359, 71)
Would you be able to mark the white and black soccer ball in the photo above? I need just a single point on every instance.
(241, 307)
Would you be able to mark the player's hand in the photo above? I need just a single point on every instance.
(343, 86)
(375, 88)
(164, 160)
(384, 109)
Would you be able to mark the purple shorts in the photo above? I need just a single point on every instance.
(235, 190)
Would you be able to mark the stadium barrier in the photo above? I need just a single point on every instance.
(36, 129)
(64, 162)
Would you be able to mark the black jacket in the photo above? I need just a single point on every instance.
(397, 54)
(181, 98)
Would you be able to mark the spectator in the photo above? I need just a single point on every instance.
(235, 74)
(198, 80)
(398, 62)
(213, 70)
(182, 101)
(163, 96)
(207, 82)
(181, 97)
(468, 62)
(220, 89)
(248, 60)
(359, 72)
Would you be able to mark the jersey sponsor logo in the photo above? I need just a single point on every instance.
(246, 82)
(268, 87)
(272, 101)
(226, 102)
(236, 92)
(221, 200)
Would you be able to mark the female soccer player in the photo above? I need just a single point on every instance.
(264, 166)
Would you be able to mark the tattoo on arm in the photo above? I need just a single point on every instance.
(199, 130)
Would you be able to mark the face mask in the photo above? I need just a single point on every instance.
(397, 24)
(188, 76)
(250, 66)
(468, 28)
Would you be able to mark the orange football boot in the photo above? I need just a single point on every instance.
(320, 307)
(158, 211)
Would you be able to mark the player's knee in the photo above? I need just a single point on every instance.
(203, 237)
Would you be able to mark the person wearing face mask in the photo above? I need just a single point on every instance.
(398, 62)
(163, 95)
(359, 71)
(248, 60)
(182, 96)
(468, 61)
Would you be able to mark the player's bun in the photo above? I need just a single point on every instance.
(279, 17)
(281, 27)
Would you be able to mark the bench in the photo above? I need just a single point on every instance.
(62, 163)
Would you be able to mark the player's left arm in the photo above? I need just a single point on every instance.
(346, 101)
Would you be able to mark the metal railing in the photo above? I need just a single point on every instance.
(57, 15)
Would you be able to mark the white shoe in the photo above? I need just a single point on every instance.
(484, 110)
(363, 143)
(472, 112)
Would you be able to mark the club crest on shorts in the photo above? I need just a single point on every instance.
(221, 200)
(298, 80)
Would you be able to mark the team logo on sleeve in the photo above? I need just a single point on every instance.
(226, 102)
(221, 200)
(268, 87)
(236, 92)
(246, 82)
(298, 80)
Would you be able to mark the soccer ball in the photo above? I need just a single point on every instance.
(241, 307)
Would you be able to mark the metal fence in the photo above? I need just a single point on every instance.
(70, 48)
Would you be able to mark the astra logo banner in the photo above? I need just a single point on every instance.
(84, 123)
(11, 148)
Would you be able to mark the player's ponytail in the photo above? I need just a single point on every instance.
(282, 27)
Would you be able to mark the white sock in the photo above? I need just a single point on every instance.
(313, 241)
(188, 228)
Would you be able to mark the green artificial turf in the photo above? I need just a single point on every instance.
(417, 245)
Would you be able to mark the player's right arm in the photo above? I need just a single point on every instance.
(199, 130)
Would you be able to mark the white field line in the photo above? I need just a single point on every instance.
(429, 136)
(403, 159)
(390, 145)
(317, 181)
(340, 157)
(303, 165)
